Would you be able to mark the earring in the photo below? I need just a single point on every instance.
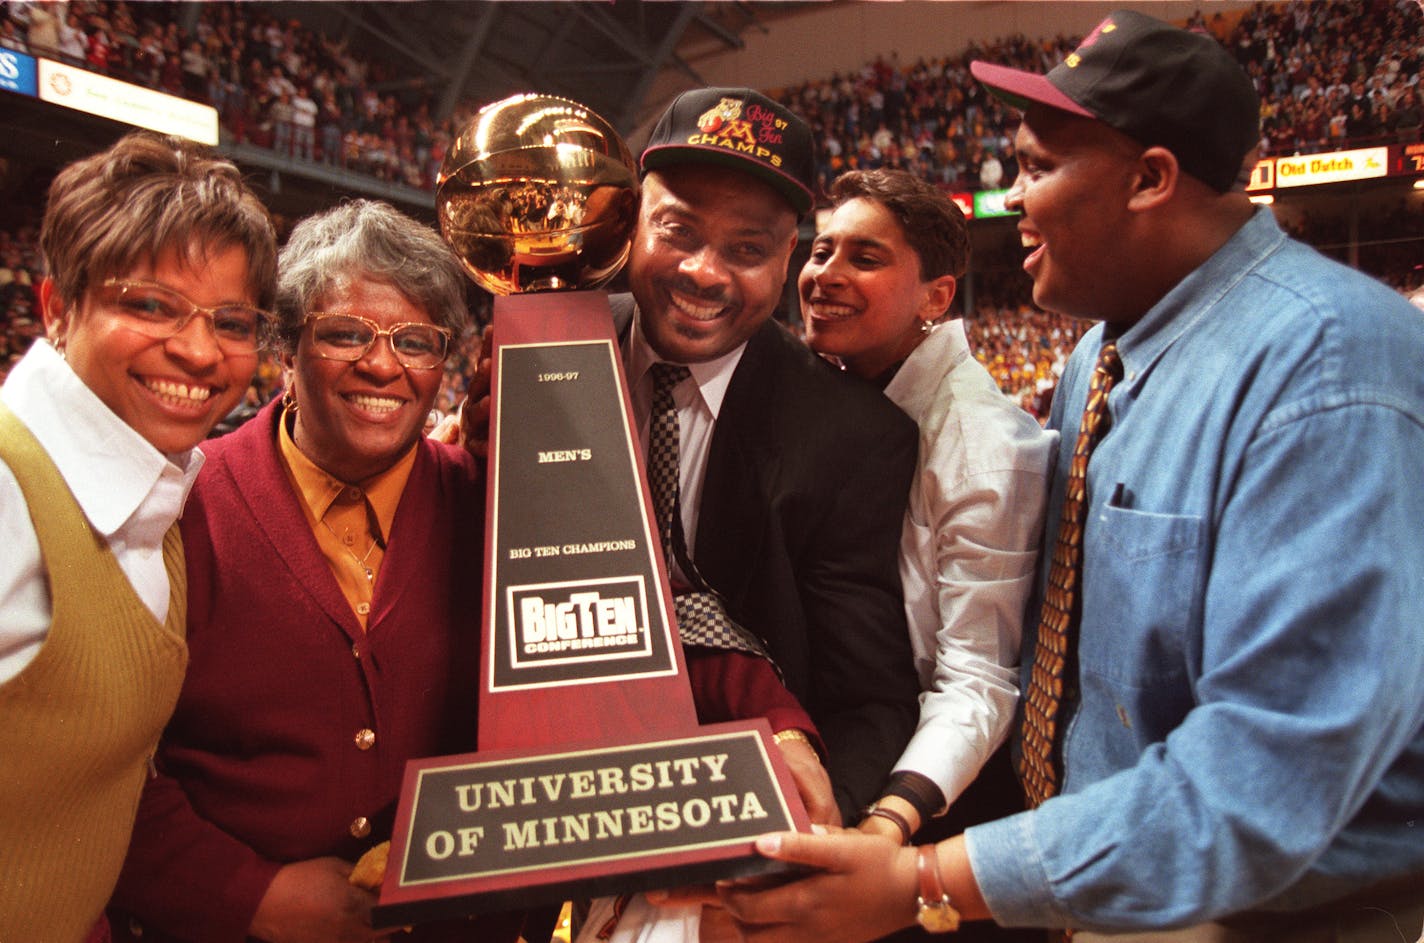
(926, 327)
(289, 401)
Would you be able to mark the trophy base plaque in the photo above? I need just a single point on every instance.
(499, 830)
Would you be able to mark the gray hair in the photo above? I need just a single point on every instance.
(368, 239)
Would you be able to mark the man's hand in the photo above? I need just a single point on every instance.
(475, 412)
(812, 781)
(863, 888)
(467, 425)
(312, 902)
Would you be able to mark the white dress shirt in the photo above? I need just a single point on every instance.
(967, 554)
(129, 492)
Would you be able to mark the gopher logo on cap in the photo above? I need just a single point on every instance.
(722, 125)
(724, 112)
(738, 128)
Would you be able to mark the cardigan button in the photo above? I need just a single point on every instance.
(360, 827)
(365, 738)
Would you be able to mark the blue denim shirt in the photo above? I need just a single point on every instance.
(1250, 729)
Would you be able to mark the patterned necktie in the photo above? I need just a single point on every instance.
(1061, 607)
(663, 443)
(702, 617)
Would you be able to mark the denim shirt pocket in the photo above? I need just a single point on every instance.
(1142, 598)
(1143, 594)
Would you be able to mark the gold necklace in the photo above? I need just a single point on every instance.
(360, 561)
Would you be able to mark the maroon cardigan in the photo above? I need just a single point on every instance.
(260, 764)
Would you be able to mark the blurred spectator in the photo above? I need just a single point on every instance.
(11, 36)
(43, 33)
(73, 43)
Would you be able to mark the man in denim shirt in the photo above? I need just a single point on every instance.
(1241, 736)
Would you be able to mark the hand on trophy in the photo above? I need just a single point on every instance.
(475, 411)
(812, 780)
(313, 902)
(468, 425)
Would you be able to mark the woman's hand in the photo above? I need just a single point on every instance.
(312, 902)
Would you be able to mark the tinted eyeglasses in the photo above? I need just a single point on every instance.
(348, 337)
(161, 313)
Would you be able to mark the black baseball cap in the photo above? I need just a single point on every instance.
(741, 129)
(1154, 82)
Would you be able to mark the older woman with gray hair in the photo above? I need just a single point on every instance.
(333, 564)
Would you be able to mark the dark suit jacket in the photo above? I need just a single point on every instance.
(808, 474)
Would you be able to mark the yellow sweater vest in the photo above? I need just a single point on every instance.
(79, 724)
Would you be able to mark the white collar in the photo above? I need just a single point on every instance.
(946, 347)
(108, 466)
(711, 376)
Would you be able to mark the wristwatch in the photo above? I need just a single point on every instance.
(936, 914)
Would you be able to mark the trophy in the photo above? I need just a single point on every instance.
(592, 775)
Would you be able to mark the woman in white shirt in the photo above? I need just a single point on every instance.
(160, 263)
(874, 297)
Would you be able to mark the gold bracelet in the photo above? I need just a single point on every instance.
(791, 733)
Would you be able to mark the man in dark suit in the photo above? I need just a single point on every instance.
(793, 476)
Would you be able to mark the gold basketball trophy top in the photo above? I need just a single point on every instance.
(538, 193)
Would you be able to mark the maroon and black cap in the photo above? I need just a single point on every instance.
(741, 129)
(1154, 82)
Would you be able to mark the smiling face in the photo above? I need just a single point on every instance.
(354, 420)
(172, 392)
(709, 259)
(862, 296)
(1074, 181)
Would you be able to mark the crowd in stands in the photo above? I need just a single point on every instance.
(1331, 75)
(275, 83)
(20, 271)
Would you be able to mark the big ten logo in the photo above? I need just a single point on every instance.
(583, 620)
(769, 126)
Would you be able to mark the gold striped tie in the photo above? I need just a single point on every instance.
(1058, 621)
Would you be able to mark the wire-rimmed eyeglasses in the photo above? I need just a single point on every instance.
(161, 312)
(348, 337)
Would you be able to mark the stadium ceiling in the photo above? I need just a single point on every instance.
(603, 54)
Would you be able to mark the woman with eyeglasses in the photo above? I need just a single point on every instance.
(334, 571)
(160, 263)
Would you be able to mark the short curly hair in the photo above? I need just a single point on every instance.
(147, 194)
